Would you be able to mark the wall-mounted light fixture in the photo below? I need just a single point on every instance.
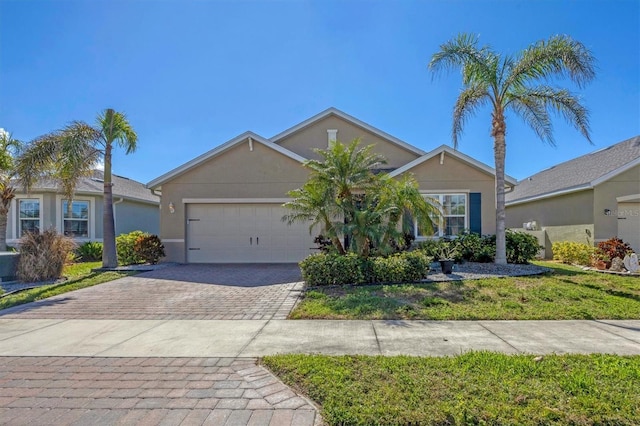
(607, 212)
(172, 208)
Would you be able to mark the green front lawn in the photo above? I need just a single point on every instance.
(566, 293)
(474, 388)
(79, 276)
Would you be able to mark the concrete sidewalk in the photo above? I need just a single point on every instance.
(240, 338)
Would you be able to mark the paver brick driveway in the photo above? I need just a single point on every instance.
(224, 291)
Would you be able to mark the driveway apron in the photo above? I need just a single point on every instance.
(43, 390)
(195, 292)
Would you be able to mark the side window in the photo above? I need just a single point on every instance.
(28, 216)
(76, 222)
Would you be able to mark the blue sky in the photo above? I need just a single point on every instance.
(191, 75)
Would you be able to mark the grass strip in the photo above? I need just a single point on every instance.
(472, 388)
(565, 293)
(80, 276)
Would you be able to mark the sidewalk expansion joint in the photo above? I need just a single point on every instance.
(499, 337)
(255, 335)
(375, 333)
(596, 324)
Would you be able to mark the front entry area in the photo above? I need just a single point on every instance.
(244, 233)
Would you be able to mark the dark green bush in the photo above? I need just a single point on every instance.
(91, 251)
(401, 267)
(334, 269)
(149, 248)
(521, 247)
(125, 248)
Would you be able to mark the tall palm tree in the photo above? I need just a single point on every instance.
(69, 154)
(114, 128)
(516, 83)
(8, 149)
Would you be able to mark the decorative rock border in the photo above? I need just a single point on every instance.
(477, 271)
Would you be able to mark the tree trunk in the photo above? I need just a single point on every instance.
(109, 254)
(3, 227)
(7, 194)
(500, 149)
(67, 223)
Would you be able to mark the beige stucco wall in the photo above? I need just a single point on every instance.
(134, 216)
(304, 141)
(236, 173)
(626, 183)
(455, 175)
(569, 209)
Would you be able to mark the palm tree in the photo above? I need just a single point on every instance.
(336, 183)
(516, 83)
(114, 128)
(71, 153)
(407, 202)
(8, 149)
(312, 203)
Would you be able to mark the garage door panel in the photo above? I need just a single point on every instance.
(244, 233)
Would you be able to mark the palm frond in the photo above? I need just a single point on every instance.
(115, 128)
(469, 100)
(37, 160)
(534, 113)
(559, 56)
(562, 102)
(476, 63)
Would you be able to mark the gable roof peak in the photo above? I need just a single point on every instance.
(357, 122)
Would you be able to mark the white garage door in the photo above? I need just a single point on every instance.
(244, 233)
(629, 224)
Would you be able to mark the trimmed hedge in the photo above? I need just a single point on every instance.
(333, 269)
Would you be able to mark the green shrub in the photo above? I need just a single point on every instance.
(42, 256)
(150, 248)
(573, 253)
(125, 247)
(614, 247)
(333, 269)
(91, 251)
(521, 247)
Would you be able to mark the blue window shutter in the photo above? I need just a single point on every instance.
(475, 212)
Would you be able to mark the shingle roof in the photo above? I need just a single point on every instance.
(578, 173)
(122, 187)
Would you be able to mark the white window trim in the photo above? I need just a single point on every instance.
(15, 210)
(92, 216)
(441, 224)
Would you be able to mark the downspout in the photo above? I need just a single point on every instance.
(115, 216)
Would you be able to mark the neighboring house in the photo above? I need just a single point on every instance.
(588, 199)
(135, 208)
(226, 205)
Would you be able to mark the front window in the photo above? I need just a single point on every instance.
(28, 216)
(453, 220)
(76, 222)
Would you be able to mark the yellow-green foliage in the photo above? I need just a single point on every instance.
(572, 252)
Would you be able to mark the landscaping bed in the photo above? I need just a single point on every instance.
(473, 388)
(565, 292)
